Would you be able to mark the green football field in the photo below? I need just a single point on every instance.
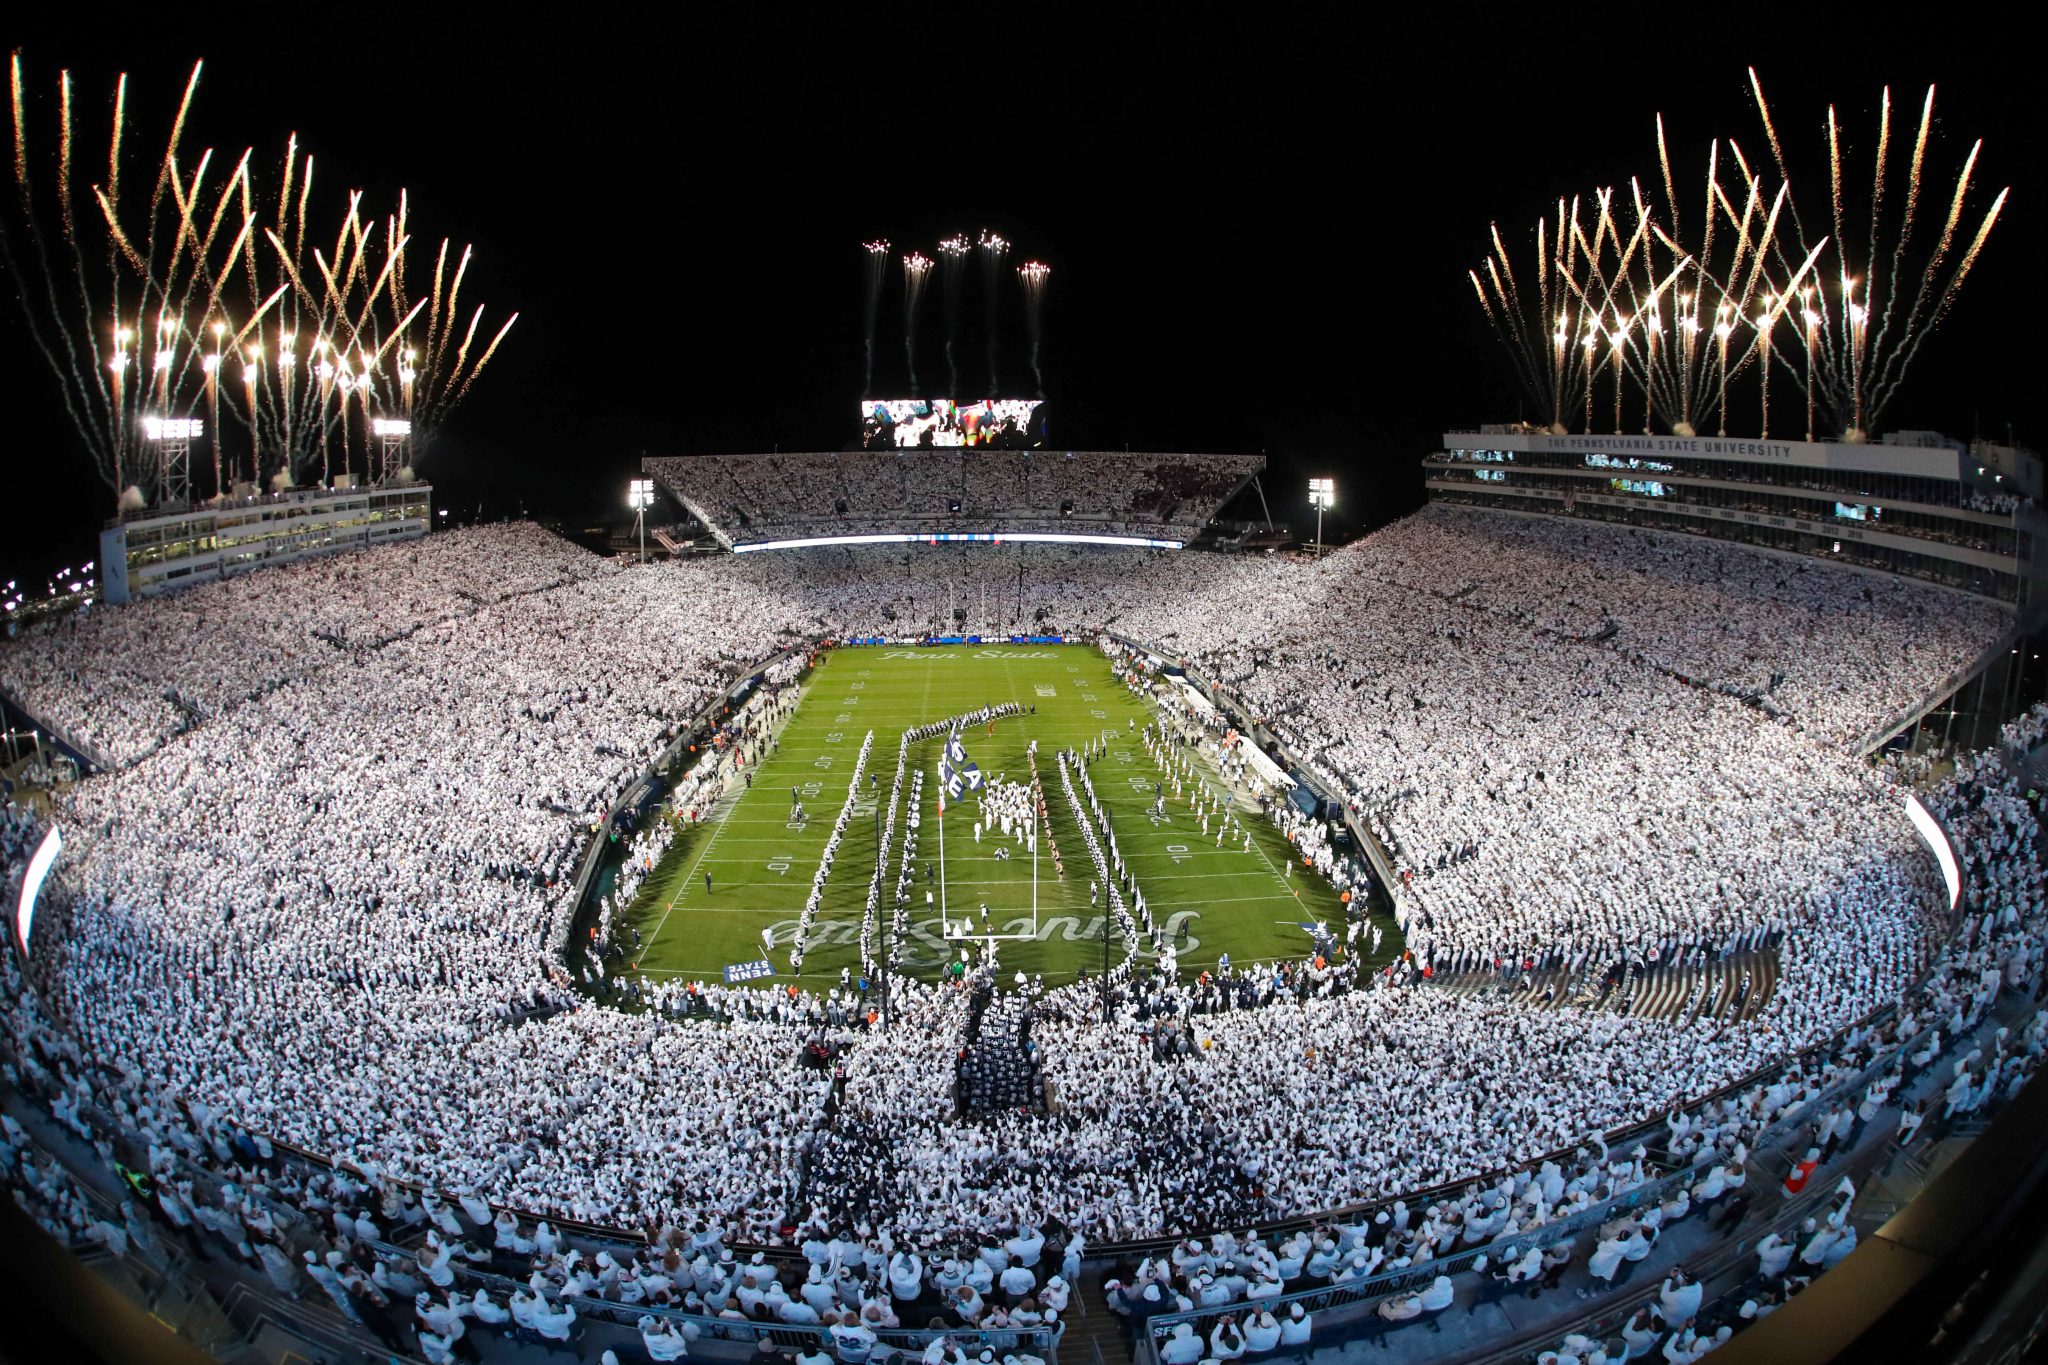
(761, 861)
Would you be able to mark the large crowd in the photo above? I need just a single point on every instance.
(315, 900)
(765, 497)
(121, 683)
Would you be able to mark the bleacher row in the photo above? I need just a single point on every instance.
(768, 497)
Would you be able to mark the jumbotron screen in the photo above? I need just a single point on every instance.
(1004, 423)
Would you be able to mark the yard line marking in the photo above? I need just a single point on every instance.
(689, 878)
(910, 696)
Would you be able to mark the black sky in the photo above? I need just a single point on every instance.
(1258, 218)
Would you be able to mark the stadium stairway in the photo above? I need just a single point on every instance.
(995, 1069)
(1728, 989)
(1094, 1334)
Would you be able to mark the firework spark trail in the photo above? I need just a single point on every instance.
(952, 269)
(1605, 288)
(299, 220)
(917, 268)
(1897, 363)
(1860, 376)
(64, 153)
(485, 359)
(1914, 169)
(992, 249)
(1506, 313)
(1511, 297)
(153, 311)
(1032, 276)
(1543, 296)
(1833, 363)
(871, 308)
(20, 124)
(1670, 189)
(1503, 321)
(1763, 110)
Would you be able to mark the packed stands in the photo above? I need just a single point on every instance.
(312, 910)
(749, 498)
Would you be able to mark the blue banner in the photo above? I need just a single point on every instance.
(748, 971)
(957, 772)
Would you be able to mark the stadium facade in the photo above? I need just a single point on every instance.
(1917, 503)
(165, 549)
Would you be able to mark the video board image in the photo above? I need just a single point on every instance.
(914, 423)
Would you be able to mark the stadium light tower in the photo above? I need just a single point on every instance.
(640, 497)
(394, 435)
(173, 437)
(1322, 495)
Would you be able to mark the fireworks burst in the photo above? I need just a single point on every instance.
(871, 308)
(952, 267)
(917, 268)
(1867, 311)
(992, 249)
(1032, 276)
(1621, 297)
(151, 309)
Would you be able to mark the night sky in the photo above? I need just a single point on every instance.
(1258, 220)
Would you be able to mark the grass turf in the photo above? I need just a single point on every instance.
(761, 862)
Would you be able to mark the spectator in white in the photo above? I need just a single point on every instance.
(1227, 1339)
(1017, 1283)
(1183, 1347)
(661, 1339)
(1678, 1299)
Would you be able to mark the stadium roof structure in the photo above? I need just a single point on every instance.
(786, 501)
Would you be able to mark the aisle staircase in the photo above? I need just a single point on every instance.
(994, 1068)
(1728, 989)
(1094, 1334)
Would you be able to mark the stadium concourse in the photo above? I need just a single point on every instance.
(298, 971)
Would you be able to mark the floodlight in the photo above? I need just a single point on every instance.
(1322, 495)
(173, 428)
(640, 497)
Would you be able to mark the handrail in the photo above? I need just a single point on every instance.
(1772, 1137)
(721, 1328)
(93, 758)
(1882, 734)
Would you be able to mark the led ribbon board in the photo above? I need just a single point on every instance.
(32, 884)
(1937, 842)
(936, 537)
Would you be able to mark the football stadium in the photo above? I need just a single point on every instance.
(957, 899)
(728, 888)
